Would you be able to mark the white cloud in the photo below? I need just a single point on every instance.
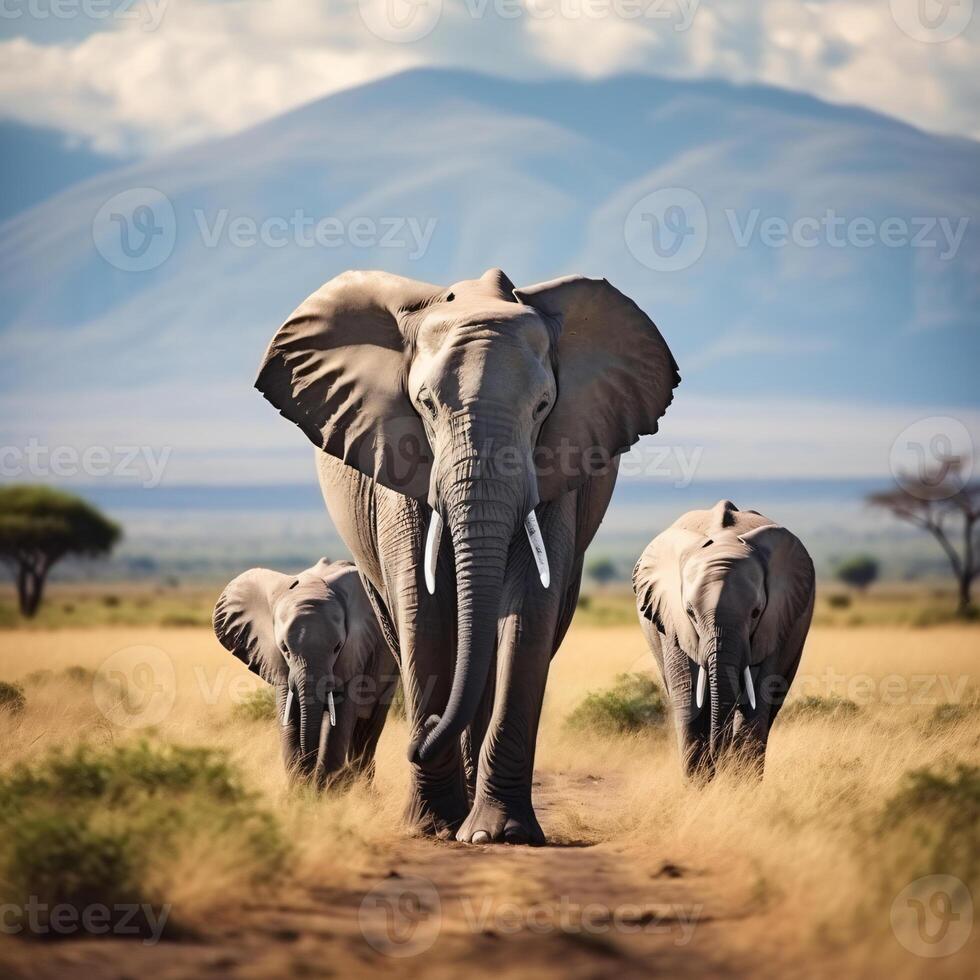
(213, 68)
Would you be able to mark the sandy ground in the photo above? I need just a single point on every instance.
(644, 876)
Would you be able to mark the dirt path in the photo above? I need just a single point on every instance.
(442, 910)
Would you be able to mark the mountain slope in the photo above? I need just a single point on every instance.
(540, 178)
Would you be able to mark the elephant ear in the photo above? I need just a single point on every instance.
(657, 584)
(615, 373)
(789, 586)
(243, 621)
(337, 368)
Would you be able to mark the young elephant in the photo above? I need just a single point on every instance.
(315, 638)
(725, 599)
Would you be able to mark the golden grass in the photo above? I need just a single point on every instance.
(796, 851)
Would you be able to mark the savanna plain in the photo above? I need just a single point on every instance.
(141, 771)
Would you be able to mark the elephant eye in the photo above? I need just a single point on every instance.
(755, 613)
(541, 408)
(426, 401)
(293, 586)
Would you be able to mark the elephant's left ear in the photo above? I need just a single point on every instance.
(789, 586)
(616, 377)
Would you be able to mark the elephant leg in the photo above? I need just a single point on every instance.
(426, 633)
(502, 808)
(368, 729)
(692, 725)
(472, 741)
(288, 729)
(335, 743)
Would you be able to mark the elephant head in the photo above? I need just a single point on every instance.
(726, 602)
(481, 400)
(305, 634)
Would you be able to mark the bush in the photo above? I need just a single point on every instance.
(108, 826)
(839, 600)
(932, 824)
(11, 697)
(815, 706)
(635, 704)
(257, 705)
(951, 713)
(859, 571)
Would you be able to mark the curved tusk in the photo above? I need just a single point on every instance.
(332, 709)
(432, 551)
(537, 548)
(702, 684)
(289, 707)
(749, 689)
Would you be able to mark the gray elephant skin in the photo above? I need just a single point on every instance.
(315, 638)
(725, 599)
(469, 439)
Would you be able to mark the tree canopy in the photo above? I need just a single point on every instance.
(39, 526)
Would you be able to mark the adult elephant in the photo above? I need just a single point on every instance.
(487, 411)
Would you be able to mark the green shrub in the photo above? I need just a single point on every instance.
(635, 704)
(101, 825)
(11, 697)
(932, 824)
(815, 706)
(839, 600)
(257, 705)
(951, 713)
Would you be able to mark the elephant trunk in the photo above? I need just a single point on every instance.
(311, 709)
(483, 510)
(725, 653)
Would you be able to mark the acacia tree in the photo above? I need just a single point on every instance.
(947, 507)
(38, 527)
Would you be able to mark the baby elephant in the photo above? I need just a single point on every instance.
(725, 599)
(315, 638)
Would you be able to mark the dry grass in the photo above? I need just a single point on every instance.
(799, 853)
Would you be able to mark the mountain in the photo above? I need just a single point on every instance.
(36, 162)
(836, 261)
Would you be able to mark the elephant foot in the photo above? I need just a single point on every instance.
(494, 822)
(437, 815)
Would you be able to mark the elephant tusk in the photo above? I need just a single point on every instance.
(702, 684)
(749, 689)
(432, 551)
(288, 709)
(332, 709)
(537, 548)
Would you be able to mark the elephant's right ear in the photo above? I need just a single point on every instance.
(337, 368)
(657, 584)
(243, 622)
